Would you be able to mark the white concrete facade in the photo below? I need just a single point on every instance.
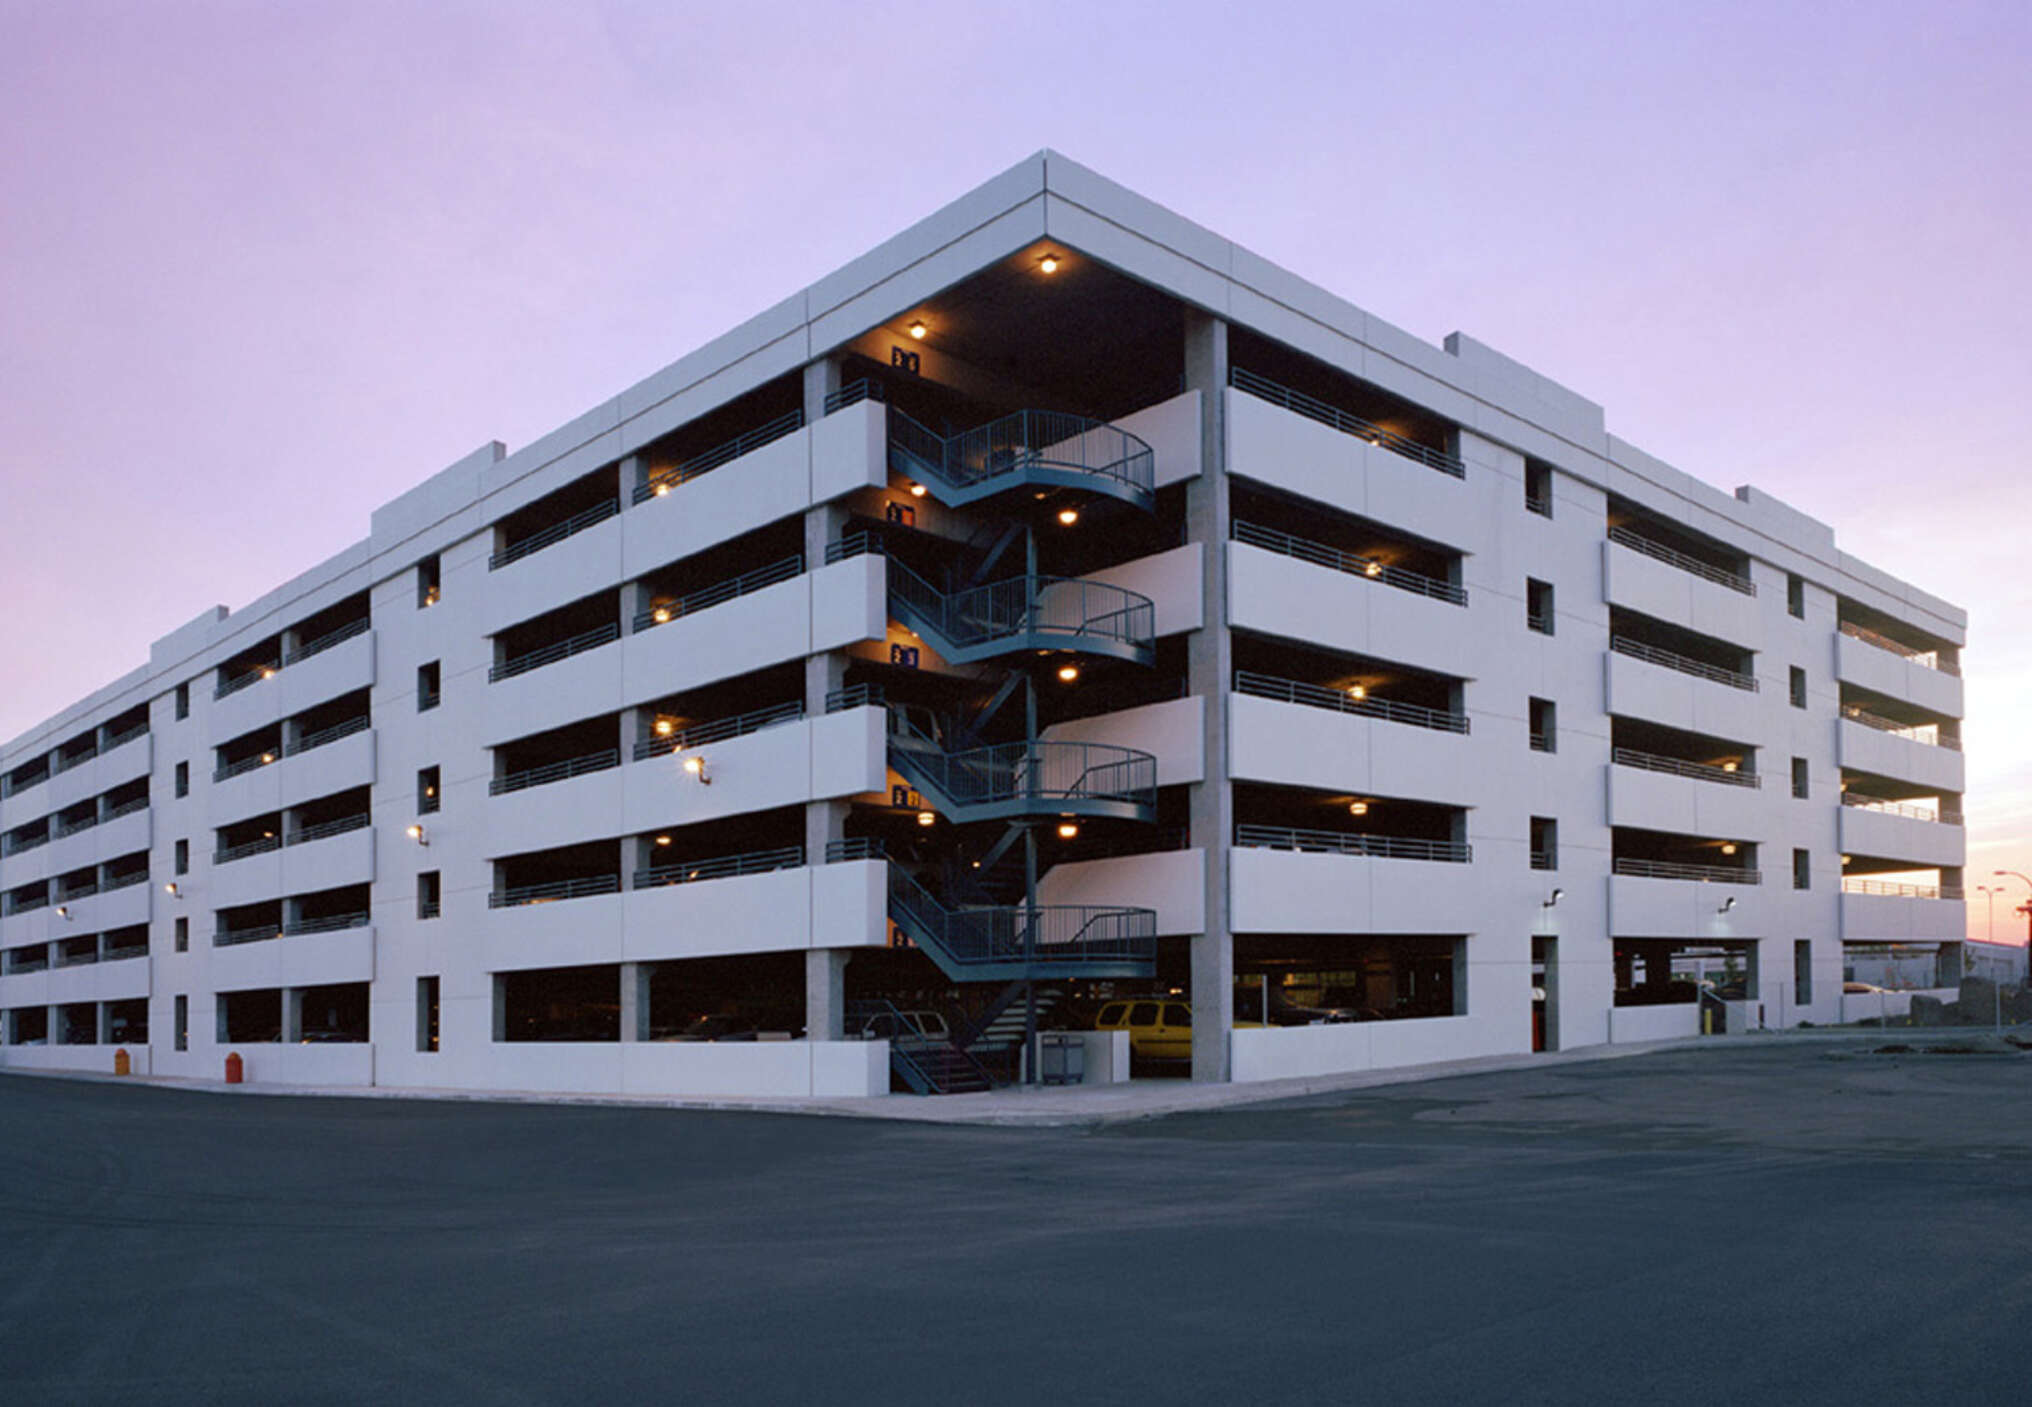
(436, 706)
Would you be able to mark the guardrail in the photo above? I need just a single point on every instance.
(1024, 607)
(1269, 686)
(234, 685)
(859, 847)
(856, 696)
(1658, 551)
(358, 723)
(721, 867)
(1887, 889)
(1541, 504)
(23, 844)
(663, 612)
(233, 937)
(227, 771)
(1651, 654)
(69, 828)
(324, 830)
(661, 481)
(124, 881)
(1018, 934)
(1021, 442)
(139, 730)
(1311, 408)
(125, 808)
(719, 730)
(1891, 808)
(1544, 860)
(1926, 734)
(135, 950)
(1047, 772)
(1698, 771)
(325, 642)
(1351, 563)
(554, 772)
(331, 923)
(1385, 847)
(1925, 659)
(554, 534)
(22, 904)
(225, 855)
(862, 390)
(858, 543)
(10, 787)
(1667, 869)
(550, 654)
(555, 890)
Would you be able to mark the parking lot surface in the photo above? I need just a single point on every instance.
(1746, 1223)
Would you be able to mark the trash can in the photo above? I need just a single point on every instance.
(1061, 1058)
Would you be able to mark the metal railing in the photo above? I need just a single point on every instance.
(1891, 808)
(9, 786)
(862, 390)
(662, 481)
(1544, 860)
(64, 828)
(330, 923)
(27, 903)
(324, 830)
(1541, 623)
(1049, 773)
(1925, 659)
(139, 730)
(550, 654)
(19, 966)
(1352, 563)
(252, 933)
(1658, 551)
(1667, 869)
(1541, 504)
(227, 854)
(234, 685)
(64, 761)
(1299, 403)
(1384, 847)
(553, 891)
(83, 890)
(358, 723)
(125, 808)
(1887, 889)
(554, 534)
(227, 771)
(554, 772)
(856, 696)
(124, 881)
(721, 867)
(80, 959)
(1269, 686)
(429, 908)
(326, 641)
(1542, 741)
(1698, 771)
(1928, 734)
(1019, 608)
(121, 954)
(18, 845)
(1015, 934)
(859, 847)
(428, 699)
(719, 730)
(663, 612)
(1022, 442)
(858, 543)
(1651, 654)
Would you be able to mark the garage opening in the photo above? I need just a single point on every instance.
(558, 1004)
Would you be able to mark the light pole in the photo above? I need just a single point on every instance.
(1991, 891)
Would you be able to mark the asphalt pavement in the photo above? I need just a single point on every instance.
(1749, 1223)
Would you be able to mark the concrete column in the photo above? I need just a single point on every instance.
(53, 1024)
(634, 473)
(824, 823)
(1209, 667)
(821, 379)
(632, 860)
(500, 1020)
(292, 1015)
(635, 1001)
(631, 728)
(825, 994)
(105, 1015)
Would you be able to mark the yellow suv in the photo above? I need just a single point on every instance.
(1160, 1028)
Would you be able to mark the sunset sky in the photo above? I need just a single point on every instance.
(268, 265)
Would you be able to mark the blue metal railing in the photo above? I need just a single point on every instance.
(1352, 563)
(1017, 610)
(862, 390)
(1001, 936)
(1299, 403)
(662, 481)
(1023, 445)
(555, 890)
(1049, 774)
(856, 696)
(554, 534)
(859, 847)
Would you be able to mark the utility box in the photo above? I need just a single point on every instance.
(1061, 1057)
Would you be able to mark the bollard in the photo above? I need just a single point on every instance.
(235, 1068)
(122, 1065)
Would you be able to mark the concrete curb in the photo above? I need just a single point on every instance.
(1080, 1107)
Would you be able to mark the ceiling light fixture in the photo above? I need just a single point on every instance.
(1358, 691)
(1048, 264)
(1358, 808)
(663, 840)
(1067, 673)
(1068, 516)
(1067, 830)
(927, 818)
(917, 490)
(917, 330)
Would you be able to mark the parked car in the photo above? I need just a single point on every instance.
(1859, 989)
(904, 1028)
(1160, 1028)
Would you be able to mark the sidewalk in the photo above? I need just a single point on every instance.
(1020, 1107)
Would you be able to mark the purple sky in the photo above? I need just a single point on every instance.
(264, 266)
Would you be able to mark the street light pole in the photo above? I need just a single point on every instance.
(1990, 891)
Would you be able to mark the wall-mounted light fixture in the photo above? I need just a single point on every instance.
(695, 766)
(1554, 900)
(416, 833)
(63, 911)
(172, 891)
(1727, 904)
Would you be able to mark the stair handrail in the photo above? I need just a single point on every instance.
(1023, 771)
(1025, 439)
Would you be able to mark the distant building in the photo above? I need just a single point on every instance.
(1057, 604)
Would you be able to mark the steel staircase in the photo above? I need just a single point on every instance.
(1027, 449)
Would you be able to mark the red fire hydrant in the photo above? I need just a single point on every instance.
(235, 1068)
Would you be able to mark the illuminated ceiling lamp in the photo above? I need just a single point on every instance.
(917, 490)
(1068, 829)
(1358, 808)
(917, 330)
(1068, 673)
(1048, 264)
(1068, 516)
(927, 818)
(1358, 692)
